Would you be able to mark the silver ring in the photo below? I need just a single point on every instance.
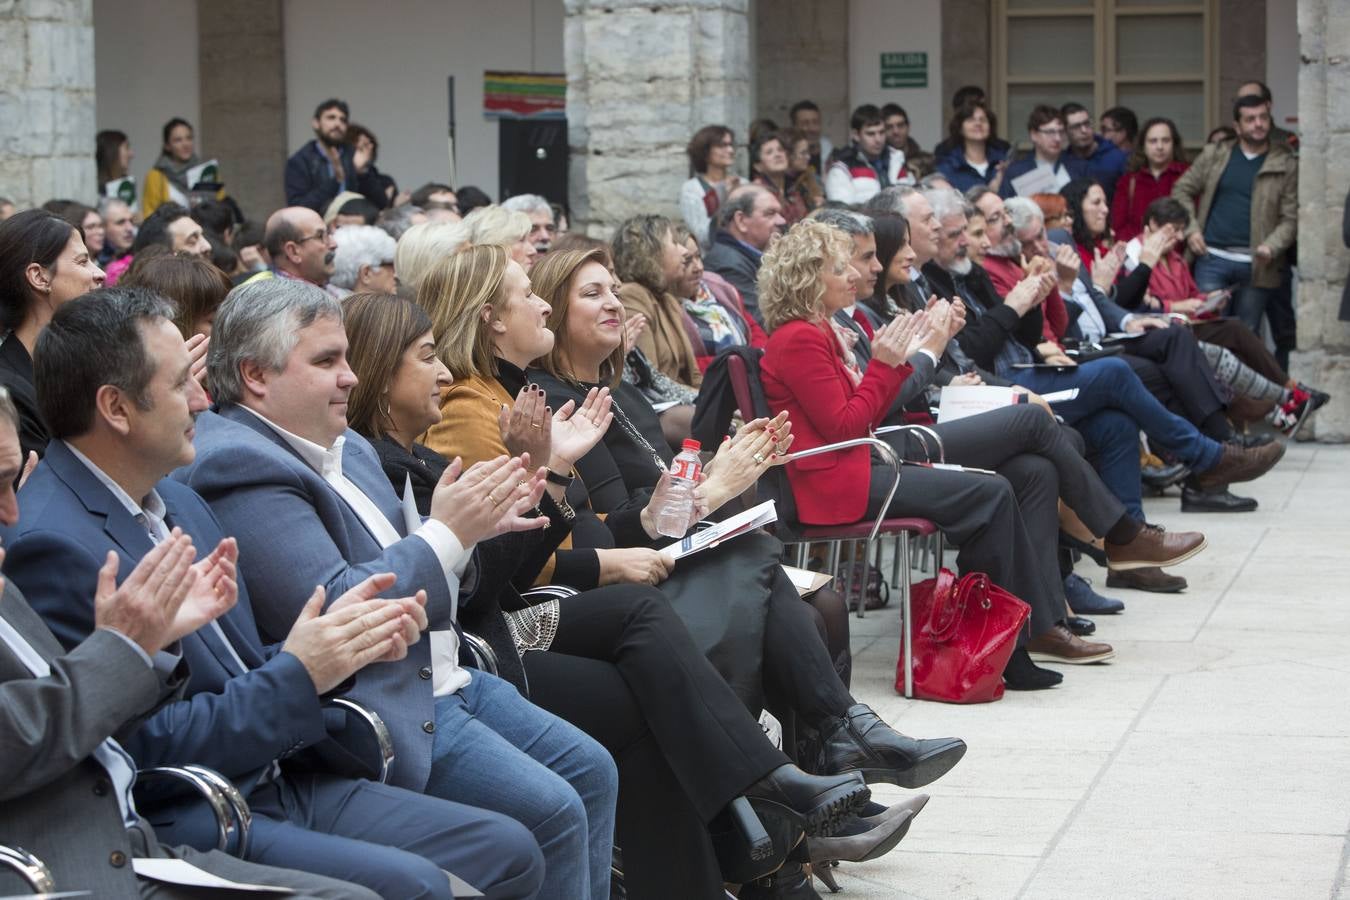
(759, 458)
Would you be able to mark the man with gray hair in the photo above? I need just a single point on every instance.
(858, 317)
(746, 221)
(363, 261)
(115, 388)
(396, 220)
(309, 503)
(542, 227)
(119, 229)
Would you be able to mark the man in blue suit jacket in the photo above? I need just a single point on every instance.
(114, 384)
(309, 503)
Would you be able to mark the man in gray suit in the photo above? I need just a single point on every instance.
(65, 783)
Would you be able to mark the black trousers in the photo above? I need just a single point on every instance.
(1006, 525)
(800, 679)
(624, 669)
(1169, 363)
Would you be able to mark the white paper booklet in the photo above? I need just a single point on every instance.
(755, 517)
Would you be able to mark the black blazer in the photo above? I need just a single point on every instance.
(16, 374)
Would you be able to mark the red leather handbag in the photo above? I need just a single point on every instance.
(964, 632)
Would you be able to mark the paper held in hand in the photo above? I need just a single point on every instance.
(961, 400)
(755, 517)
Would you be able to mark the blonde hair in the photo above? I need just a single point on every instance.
(496, 225)
(552, 280)
(423, 245)
(453, 293)
(790, 283)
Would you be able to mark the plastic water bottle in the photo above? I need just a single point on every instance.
(672, 516)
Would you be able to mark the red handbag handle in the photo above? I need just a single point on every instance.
(950, 599)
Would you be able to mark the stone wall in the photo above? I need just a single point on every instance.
(801, 47)
(243, 98)
(642, 77)
(1323, 358)
(47, 101)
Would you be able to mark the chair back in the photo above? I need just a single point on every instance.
(773, 485)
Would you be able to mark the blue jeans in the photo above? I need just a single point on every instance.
(1112, 447)
(1110, 383)
(1249, 303)
(498, 751)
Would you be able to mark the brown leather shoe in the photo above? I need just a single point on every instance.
(1060, 645)
(1155, 580)
(1240, 464)
(1154, 547)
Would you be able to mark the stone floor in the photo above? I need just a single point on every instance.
(1211, 758)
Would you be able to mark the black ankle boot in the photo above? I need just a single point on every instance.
(789, 883)
(1022, 674)
(815, 803)
(860, 742)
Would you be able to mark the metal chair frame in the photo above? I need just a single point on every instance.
(28, 867)
(383, 739)
(233, 817)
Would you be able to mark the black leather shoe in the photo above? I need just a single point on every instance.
(1080, 626)
(860, 742)
(1194, 499)
(1021, 674)
(1155, 580)
(1160, 478)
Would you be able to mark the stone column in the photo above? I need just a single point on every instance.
(1323, 358)
(242, 78)
(642, 77)
(801, 53)
(47, 101)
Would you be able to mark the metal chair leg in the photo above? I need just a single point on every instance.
(895, 562)
(848, 579)
(802, 551)
(907, 626)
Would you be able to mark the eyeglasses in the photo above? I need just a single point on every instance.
(1085, 125)
(321, 236)
(1051, 132)
(727, 143)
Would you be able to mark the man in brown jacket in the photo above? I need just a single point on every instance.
(1247, 192)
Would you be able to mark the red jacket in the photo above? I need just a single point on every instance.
(1135, 191)
(1005, 274)
(803, 373)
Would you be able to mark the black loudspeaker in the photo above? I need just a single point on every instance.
(532, 158)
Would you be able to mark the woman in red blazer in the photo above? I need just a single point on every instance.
(809, 370)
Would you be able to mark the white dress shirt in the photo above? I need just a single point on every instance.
(447, 675)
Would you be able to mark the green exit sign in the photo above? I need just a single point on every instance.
(904, 70)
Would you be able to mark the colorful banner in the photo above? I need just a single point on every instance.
(524, 95)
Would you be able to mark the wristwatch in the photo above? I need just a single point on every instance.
(559, 479)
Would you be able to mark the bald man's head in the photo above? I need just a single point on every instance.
(299, 243)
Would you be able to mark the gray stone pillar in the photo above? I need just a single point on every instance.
(642, 77)
(1324, 179)
(242, 79)
(47, 101)
(801, 53)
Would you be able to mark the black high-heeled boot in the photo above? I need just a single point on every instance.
(789, 883)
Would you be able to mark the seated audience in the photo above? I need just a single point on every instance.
(619, 664)
(196, 288)
(713, 304)
(1055, 210)
(649, 264)
(436, 197)
(353, 210)
(1102, 160)
(509, 228)
(170, 226)
(113, 383)
(856, 172)
(90, 225)
(396, 220)
(750, 217)
(278, 455)
(63, 708)
(364, 141)
(543, 224)
(113, 156)
(1151, 172)
(328, 165)
(1120, 126)
(801, 175)
(769, 169)
(972, 160)
(805, 117)
(363, 261)
(424, 245)
(119, 229)
(470, 198)
(712, 153)
(43, 265)
(300, 247)
(1054, 166)
(898, 139)
(167, 181)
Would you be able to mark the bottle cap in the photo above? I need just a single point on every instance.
(691, 444)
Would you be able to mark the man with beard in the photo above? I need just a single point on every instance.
(300, 246)
(328, 165)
